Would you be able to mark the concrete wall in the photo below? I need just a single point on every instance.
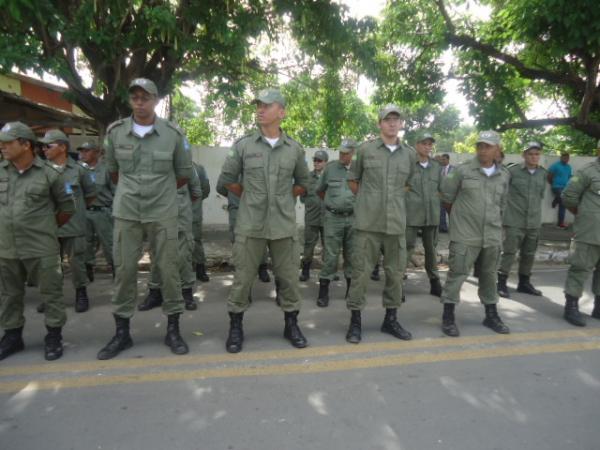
(215, 212)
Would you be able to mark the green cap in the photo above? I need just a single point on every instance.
(489, 137)
(145, 84)
(89, 145)
(423, 136)
(533, 144)
(389, 109)
(268, 96)
(347, 146)
(322, 155)
(54, 136)
(15, 130)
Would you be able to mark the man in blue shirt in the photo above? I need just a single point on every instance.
(559, 174)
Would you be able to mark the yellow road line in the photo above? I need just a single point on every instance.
(297, 369)
(310, 352)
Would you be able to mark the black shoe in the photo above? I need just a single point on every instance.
(526, 287)
(391, 326)
(572, 314)
(201, 273)
(41, 308)
(89, 271)
(449, 327)
(375, 273)
(53, 348)
(305, 274)
(596, 310)
(277, 296)
(323, 299)
(292, 331)
(173, 339)
(236, 333)
(263, 273)
(153, 300)
(11, 342)
(436, 287)
(492, 320)
(354, 334)
(82, 302)
(188, 299)
(501, 286)
(119, 342)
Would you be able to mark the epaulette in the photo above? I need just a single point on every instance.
(292, 139)
(243, 137)
(115, 124)
(56, 167)
(175, 127)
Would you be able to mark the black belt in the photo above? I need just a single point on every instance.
(98, 208)
(337, 212)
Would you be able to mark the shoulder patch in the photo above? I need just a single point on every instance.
(115, 124)
(575, 179)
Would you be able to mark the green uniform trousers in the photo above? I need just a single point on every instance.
(198, 255)
(311, 237)
(75, 248)
(185, 247)
(47, 271)
(247, 255)
(429, 236)
(232, 222)
(99, 229)
(128, 248)
(583, 259)
(460, 262)
(339, 232)
(367, 249)
(521, 240)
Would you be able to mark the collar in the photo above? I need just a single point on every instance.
(156, 126)
(475, 165)
(283, 138)
(384, 145)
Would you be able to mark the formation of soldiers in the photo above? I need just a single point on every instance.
(370, 203)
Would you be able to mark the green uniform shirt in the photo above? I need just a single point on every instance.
(105, 188)
(380, 203)
(29, 202)
(423, 196)
(525, 195)
(148, 168)
(200, 174)
(267, 206)
(477, 204)
(583, 192)
(79, 183)
(313, 205)
(334, 182)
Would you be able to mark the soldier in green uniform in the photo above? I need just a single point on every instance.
(72, 236)
(380, 172)
(582, 198)
(148, 158)
(199, 257)
(273, 173)
(522, 219)
(100, 222)
(338, 222)
(187, 195)
(423, 209)
(313, 214)
(34, 203)
(474, 194)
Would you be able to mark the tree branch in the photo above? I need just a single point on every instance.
(533, 123)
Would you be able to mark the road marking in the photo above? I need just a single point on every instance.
(325, 366)
(310, 352)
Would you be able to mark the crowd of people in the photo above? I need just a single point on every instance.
(369, 206)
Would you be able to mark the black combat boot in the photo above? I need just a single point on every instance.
(596, 310)
(119, 342)
(493, 321)
(188, 299)
(436, 287)
(526, 287)
(277, 296)
(348, 283)
(572, 314)
(391, 326)
(41, 308)
(263, 273)
(305, 274)
(323, 299)
(375, 273)
(236, 333)
(353, 336)
(82, 302)
(449, 327)
(53, 348)
(292, 331)
(501, 286)
(11, 342)
(153, 300)
(201, 273)
(173, 339)
(89, 271)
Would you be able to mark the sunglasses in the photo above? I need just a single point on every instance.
(50, 145)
